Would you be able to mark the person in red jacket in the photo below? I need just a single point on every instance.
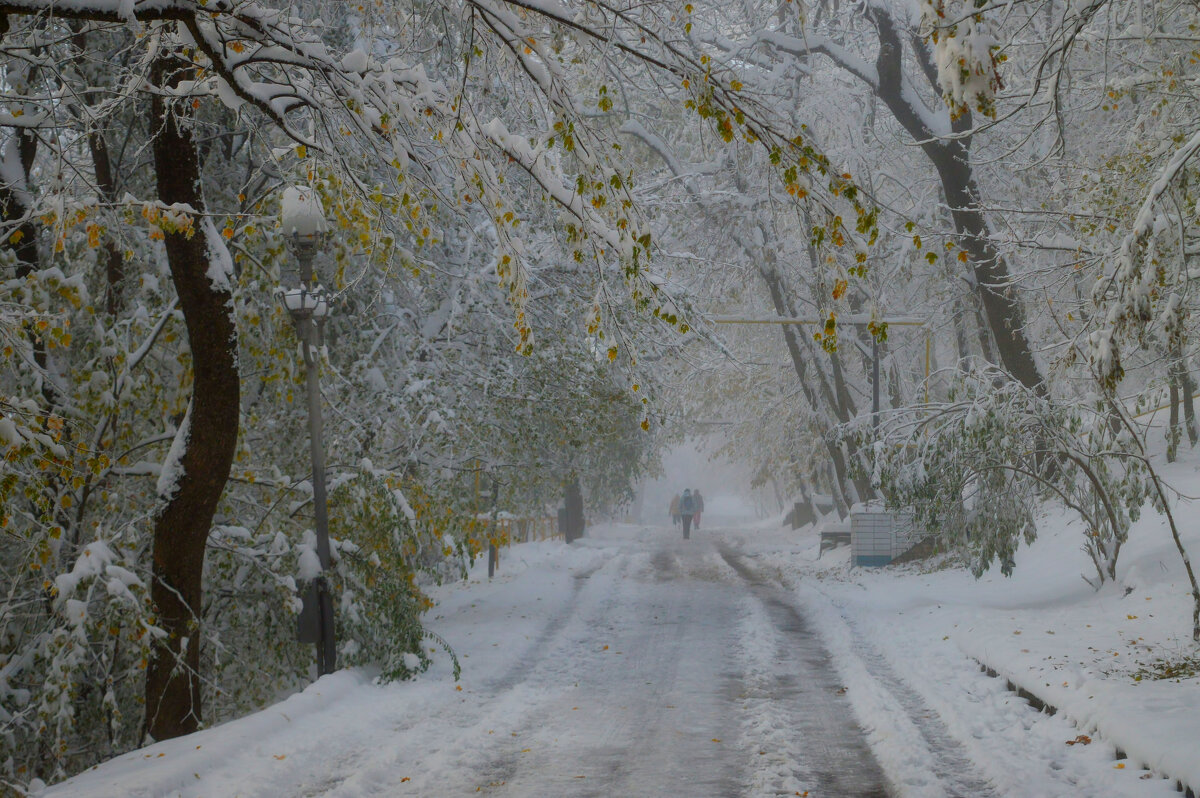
(697, 508)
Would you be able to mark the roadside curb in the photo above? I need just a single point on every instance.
(1041, 705)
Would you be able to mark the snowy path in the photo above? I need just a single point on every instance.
(634, 663)
(666, 709)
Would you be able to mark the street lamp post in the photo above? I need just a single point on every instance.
(304, 228)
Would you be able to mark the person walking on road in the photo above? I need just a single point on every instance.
(675, 510)
(697, 507)
(686, 508)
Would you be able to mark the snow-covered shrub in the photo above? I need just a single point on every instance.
(380, 543)
(974, 469)
(74, 649)
(249, 651)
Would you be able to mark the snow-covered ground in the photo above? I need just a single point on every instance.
(738, 663)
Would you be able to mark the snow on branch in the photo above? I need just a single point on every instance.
(1131, 292)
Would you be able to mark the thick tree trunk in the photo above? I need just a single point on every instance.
(573, 501)
(951, 158)
(993, 281)
(182, 523)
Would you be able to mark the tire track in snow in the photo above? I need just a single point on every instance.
(953, 767)
(767, 728)
(520, 670)
(916, 748)
(827, 749)
(502, 702)
(647, 712)
(1013, 748)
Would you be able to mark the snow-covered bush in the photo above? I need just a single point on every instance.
(381, 540)
(974, 469)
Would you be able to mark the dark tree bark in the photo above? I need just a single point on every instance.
(23, 241)
(951, 159)
(573, 502)
(106, 187)
(182, 524)
(114, 264)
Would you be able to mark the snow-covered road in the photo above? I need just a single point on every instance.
(691, 688)
(634, 663)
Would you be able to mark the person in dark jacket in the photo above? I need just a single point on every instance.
(687, 506)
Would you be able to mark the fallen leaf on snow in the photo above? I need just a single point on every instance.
(1082, 739)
